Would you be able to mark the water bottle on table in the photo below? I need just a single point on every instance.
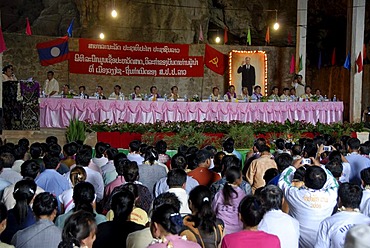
(334, 98)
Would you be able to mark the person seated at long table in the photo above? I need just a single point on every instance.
(116, 94)
(99, 93)
(257, 93)
(82, 90)
(154, 93)
(230, 95)
(244, 95)
(215, 96)
(136, 93)
(275, 94)
(174, 93)
(285, 97)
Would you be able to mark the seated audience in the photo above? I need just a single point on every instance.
(201, 225)
(202, 174)
(356, 161)
(258, 167)
(21, 216)
(228, 148)
(114, 233)
(166, 224)
(365, 179)
(29, 170)
(19, 153)
(77, 175)
(177, 162)
(69, 152)
(251, 213)
(332, 230)
(226, 201)
(161, 147)
(120, 162)
(271, 198)
(151, 170)
(83, 197)
(318, 184)
(79, 231)
(143, 238)
(227, 162)
(42, 234)
(3, 221)
(176, 180)
(108, 170)
(134, 152)
(100, 158)
(8, 174)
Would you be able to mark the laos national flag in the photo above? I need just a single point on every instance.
(54, 51)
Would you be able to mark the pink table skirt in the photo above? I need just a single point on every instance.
(57, 112)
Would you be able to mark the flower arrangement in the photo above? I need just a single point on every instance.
(195, 98)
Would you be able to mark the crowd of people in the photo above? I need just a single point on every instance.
(312, 193)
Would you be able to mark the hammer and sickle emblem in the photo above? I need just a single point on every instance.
(214, 61)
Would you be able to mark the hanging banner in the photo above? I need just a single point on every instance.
(158, 49)
(115, 58)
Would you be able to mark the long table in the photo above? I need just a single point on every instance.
(57, 112)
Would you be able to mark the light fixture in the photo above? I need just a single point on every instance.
(218, 39)
(101, 36)
(114, 12)
(276, 24)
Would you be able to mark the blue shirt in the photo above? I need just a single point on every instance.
(161, 186)
(51, 181)
(358, 163)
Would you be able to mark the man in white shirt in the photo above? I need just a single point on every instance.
(311, 203)
(8, 173)
(176, 180)
(333, 230)
(271, 197)
(299, 85)
(51, 85)
(134, 154)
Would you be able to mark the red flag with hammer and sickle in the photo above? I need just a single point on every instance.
(215, 60)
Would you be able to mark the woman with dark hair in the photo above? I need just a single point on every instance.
(83, 197)
(21, 216)
(166, 223)
(230, 95)
(251, 213)
(151, 170)
(43, 234)
(79, 231)
(3, 217)
(202, 226)
(100, 158)
(114, 233)
(226, 201)
(77, 175)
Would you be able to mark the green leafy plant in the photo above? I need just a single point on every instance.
(76, 131)
(243, 136)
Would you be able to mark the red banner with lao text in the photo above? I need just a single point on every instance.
(116, 58)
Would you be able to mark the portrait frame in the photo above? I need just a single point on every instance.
(258, 60)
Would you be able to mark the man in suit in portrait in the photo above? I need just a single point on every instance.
(248, 74)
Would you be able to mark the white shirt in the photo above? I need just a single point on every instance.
(100, 161)
(333, 230)
(51, 85)
(365, 197)
(309, 206)
(135, 157)
(17, 165)
(8, 198)
(346, 173)
(272, 223)
(183, 198)
(96, 179)
(10, 175)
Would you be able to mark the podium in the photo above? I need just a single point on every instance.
(21, 110)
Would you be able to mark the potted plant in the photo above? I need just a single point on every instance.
(76, 131)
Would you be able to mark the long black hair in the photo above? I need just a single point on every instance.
(204, 218)
(168, 217)
(231, 175)
(24, 191)
(78, 227)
